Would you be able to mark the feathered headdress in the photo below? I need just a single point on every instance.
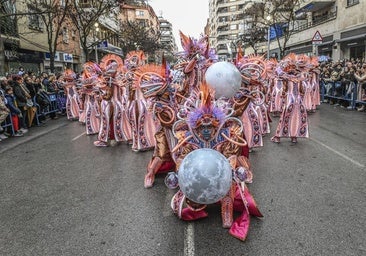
(206, 114)
(152, 79)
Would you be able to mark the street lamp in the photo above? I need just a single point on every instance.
(96, 29)
(269, 18)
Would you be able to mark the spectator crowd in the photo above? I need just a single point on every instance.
(344, 81)
(25, 100)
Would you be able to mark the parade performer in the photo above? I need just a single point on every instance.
(106, 85)
(141, 120)
(72, 97)
(170, 91)
(154, 82)
(255, 117)
(113, 68)
(211, 127)
(90, 106)
(293, 122)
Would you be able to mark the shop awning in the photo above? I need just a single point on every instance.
(314, 6)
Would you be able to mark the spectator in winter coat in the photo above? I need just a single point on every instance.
(15, 112)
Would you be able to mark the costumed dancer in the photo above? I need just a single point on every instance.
(72, 96)
(210, 127)
(141, 120)
(112, 65)
(253, 70)
(293, 122)
(170, 93)
(91, 109)
(314, 72)
(154, 83)
(105, 85)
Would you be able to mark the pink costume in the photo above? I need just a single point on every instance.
(106, 115)
(293, 122)
(276, 101)
(72, 96)
(122, 128)
(141, 120)
(113, 67)
(255, 122)
(206, 127)
(91, 109)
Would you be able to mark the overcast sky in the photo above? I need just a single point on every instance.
(189, 16)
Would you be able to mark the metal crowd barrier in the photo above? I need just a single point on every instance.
(57, 103)
(8, 123)
(333, 90)
(54, 106)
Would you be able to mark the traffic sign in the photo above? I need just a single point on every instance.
(317, 37)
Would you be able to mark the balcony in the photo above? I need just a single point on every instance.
(317, 20)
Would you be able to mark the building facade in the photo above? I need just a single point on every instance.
(341, 25)
(167, 39)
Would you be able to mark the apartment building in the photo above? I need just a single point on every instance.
(142, 13)
(341, 25)
(167, 39)
(24, 41)
(227, 23)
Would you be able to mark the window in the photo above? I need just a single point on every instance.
(232, 8)
(139, 13)
(233, 26)
(65, 35)
(35, 21)
(84, 4)
(352, 2)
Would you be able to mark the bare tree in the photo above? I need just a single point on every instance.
(52, 13)
(8, 28)
(86, 15)
(136, 35)
(280, 16)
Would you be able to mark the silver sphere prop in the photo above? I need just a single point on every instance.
(205, 176)
(225, 78)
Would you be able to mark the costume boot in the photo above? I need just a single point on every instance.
(152, 169)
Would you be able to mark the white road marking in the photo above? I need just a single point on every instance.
(77, 137)
(189, 239)
(338, 153)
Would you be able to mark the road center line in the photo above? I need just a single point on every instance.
(77, 137)
(189, 239)
(338, 153)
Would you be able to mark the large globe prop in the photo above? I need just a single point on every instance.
(205, 176)
(225, 78)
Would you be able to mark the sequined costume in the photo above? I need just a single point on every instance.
(293, 122)
(141, 120)
(72, 97)
(210, 126)
(90, 92)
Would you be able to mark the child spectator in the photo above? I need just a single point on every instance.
(14, 110)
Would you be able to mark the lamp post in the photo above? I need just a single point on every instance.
(96, 29)
(268, 18)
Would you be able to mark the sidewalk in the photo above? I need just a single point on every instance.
(33, 133)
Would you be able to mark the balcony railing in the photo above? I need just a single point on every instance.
(316, 21)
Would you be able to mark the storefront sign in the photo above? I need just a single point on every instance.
(68, 57)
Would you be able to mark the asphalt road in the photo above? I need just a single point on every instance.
(60, 195)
